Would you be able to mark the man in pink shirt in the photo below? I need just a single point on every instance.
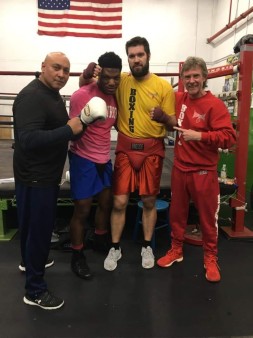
(90, 164)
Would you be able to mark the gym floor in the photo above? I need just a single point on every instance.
(132, 302)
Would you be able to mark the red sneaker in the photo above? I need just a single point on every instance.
(172, 256)
(212, 269)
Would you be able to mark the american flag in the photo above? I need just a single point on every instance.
(96, 19)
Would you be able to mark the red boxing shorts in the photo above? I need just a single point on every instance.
(138, 165)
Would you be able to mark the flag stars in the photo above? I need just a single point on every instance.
(54, 4)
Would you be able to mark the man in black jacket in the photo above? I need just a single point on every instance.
(42, 130)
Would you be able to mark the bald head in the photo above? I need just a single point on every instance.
(55, 70)
(55, 55)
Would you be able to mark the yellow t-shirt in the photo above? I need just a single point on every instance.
(135, 100)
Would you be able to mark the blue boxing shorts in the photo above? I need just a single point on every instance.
(88, 178)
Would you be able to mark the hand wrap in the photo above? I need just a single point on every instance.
(160, 116)
(88, 72)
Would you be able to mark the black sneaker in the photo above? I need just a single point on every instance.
(46, 301)
(49, 263)
(79, 265)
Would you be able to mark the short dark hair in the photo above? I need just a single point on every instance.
(110, 60)
(138, 41)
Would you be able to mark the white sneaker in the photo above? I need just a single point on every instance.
(113, 256)
(148, 259)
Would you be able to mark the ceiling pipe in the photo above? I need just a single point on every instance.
(230, 9)
(230, 24)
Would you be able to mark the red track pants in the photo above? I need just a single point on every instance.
(202, 188)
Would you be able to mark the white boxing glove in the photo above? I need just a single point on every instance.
(95, 109)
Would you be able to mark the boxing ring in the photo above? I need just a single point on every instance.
(237, 196)
(7, 187)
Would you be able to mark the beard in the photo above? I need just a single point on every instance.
(141, 72)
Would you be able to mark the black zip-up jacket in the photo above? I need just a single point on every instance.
(41, 135)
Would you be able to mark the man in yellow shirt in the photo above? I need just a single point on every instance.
(146, 110)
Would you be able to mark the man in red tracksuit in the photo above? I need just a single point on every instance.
(204, 125)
